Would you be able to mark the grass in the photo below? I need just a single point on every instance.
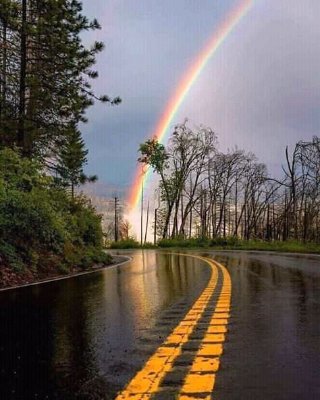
(230, 243)
(288, 246)
(130, 244)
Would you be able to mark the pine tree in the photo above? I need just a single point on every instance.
(71, 160)
(45, 73)
(9, 71)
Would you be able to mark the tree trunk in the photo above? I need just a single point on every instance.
(147, 223)
(3, 84)
(21, 139)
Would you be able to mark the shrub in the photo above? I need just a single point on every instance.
(11, 256)
(39, 219)
(125, 244)
(63, 268)
(149, 245)
(178, 242)
(85, 224)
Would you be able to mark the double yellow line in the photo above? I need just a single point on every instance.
(201, 376)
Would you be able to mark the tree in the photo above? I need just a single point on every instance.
(46, 73)
(45, 90)
(185, 156)
(71, 160)
(124, 229)
(153, 154)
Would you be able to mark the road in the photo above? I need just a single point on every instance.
(237, 325)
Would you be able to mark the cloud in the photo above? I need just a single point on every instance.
(260, 91)
(264, 90)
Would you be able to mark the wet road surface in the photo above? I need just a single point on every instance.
(273, 344)
(84, 338)
(87, 337)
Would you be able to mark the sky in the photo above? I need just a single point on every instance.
(260, 91)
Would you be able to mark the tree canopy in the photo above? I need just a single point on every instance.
(210, 194)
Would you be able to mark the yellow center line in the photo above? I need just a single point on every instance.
(199, 383)
(147, 381)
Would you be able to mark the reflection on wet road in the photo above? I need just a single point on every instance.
(184, 366)
(273, 346)
(86, 338)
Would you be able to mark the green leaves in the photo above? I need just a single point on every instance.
(71, 160)
(56, 67)
(45, 89)
(21, 173)
(38, 220)
(154, 154)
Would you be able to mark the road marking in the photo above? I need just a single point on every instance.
(199, 383)
(201, 377)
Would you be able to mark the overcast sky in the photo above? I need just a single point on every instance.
(260, 91)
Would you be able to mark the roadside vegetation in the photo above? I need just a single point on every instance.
(233, 244)
(228, 243)
(46, 228)
(131, 243)
(208, 197)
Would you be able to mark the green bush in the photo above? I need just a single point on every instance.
(198, 242)
(30, 219)
(178, 242)
(10, 254)
(87, 224)
(63, 268)
(218, 242)
(41, 223)
(223, 242)
(93, 255)
(125, 244)
(149, 245)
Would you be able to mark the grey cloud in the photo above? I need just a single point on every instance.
(260, 91)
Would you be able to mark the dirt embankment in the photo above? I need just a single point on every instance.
(10, 278)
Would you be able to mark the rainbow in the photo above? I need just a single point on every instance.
(184, 87)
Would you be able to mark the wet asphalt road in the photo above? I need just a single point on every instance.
(84, 338)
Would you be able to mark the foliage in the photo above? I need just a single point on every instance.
(45, 73)
(186, 154)
(154, 154)
(39, 221)
(9, 254)
(187, 243)
(131, 243)
(125, 244)
(232, 243)
(290, 246)
(71, 159)
(149, 245)
(224, 241)
(207, 193)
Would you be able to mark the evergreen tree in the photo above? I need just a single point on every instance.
(45, 73)
(71, 160)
